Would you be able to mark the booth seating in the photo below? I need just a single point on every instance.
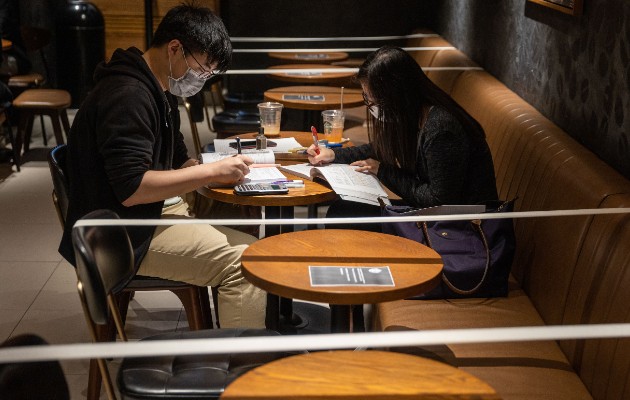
(567, 270)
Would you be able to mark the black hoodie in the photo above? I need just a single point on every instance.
(126, 126)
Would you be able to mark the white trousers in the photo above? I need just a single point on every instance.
(207, 255)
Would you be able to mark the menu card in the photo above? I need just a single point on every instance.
(350, 276)
(307, 97)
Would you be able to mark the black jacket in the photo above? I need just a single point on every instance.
(452, 166)
(126, 126)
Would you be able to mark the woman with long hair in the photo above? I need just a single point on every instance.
(422, 145)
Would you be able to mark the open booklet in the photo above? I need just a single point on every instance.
(256, 175)
(344, 180)
(259, 156)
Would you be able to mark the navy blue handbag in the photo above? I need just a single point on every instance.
(477, 255)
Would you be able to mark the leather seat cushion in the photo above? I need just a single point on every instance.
(191, 376)
(518, 370)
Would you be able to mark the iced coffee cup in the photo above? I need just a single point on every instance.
(270, 115)
(333, 125)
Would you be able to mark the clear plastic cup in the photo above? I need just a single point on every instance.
(333, 125)
(270, 116)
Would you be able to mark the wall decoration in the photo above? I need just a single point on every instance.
(571, 7)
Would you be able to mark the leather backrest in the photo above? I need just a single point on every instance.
(547, 170)
(445, 79)
(105, 262)
(57, 165)
(32, 380)
(600, 293)
(424, 58)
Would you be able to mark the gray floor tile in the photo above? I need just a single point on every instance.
(9, 319)
(22, 282)
(26, 207)
(30, 242)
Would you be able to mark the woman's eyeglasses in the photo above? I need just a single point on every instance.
(369, 104)
(205, 74)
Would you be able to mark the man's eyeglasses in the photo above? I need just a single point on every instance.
(369, 104)
(205, 74)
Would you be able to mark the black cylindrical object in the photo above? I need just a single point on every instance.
(80, 30)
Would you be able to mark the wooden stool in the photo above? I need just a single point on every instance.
(50, 102)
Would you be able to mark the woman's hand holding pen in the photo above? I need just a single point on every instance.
(370, 165)
(325, 155)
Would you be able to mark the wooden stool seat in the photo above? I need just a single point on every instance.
(43, 98)
(26, 80)
(50, 102)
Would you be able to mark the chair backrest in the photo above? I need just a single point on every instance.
(57, 165)
(193, 128)
(31, 380)
(105, 264)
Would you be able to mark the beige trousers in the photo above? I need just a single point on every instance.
(207, 255)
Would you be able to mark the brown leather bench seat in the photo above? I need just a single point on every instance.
(567, 270)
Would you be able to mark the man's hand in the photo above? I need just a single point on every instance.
(231, 170)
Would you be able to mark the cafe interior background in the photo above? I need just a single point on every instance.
(574, 69)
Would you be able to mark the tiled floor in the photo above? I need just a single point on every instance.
(37, 287)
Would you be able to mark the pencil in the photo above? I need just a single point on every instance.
(263, 165)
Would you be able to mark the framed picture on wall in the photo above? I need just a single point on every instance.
(571, 7)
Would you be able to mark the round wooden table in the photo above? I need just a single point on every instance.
(308, 57)
(344, 374)
(311, 78)
(331, 97)
(280, 265)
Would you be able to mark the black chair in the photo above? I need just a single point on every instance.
(235, 117)
(32, 380)
(195, 299)
(105, 262)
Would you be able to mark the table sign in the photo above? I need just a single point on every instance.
(311, 56)
(350, 276)
(307, 97)
(304, 74)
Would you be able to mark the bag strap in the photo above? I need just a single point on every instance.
(477, 224)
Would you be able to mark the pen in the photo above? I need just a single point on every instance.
(331, 145)
(288, 181)
(238, 145)
(263, 165)
(315, 140)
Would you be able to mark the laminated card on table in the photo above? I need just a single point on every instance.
(350, 276)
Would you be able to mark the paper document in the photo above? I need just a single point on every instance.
(350, 276)
(344, 180)
(259, 156)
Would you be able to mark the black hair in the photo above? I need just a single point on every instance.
(404, 95)
(199, 31)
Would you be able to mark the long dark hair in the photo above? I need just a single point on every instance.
(404, 94)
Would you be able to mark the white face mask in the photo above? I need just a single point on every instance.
(188, 84)
(374, 111)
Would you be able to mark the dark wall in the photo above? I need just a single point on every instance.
(308, 18)
(575, 70)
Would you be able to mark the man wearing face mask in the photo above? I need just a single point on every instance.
(125, 153)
